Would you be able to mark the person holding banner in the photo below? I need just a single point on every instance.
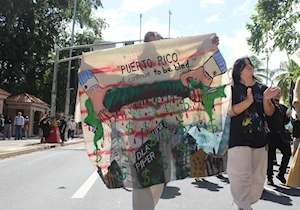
(143, 112)
(293, 179)
(147, 198)
(247, 153)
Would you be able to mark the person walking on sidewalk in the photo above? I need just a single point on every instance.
(26, 126)
(276, 141)
(45, 124)
(71, 130)
(7, 127)
(2, 123)
(19, 124)
(62, 125)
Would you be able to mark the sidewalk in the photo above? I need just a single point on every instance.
(10, 148)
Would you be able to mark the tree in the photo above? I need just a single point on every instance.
(257, 63)
(29, 30)
(283, 76)
(259, 72)
(275, 20)
(25, 40)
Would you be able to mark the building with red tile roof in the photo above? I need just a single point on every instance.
(30, 106)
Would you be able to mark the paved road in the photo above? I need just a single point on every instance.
(64, 179)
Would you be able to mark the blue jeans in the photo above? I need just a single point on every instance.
(18, 132)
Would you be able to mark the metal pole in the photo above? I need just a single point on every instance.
(267, 70)
(141, 26)
(170, 13)
(54, 84)
(67, 104)
(267, 51)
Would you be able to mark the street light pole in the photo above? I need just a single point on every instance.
(170, 13)
(141, 27)
(67, 104)
(54, 84)
(268, 55)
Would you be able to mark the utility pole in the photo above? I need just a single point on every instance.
(268, 55)
(170, 13)
(141, 15)
(67, 104)
(54, 84)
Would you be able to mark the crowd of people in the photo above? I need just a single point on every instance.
(252, 148)
(21, 127)
(66, 128)
(20, 124)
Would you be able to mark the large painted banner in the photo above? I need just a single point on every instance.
(156, 111)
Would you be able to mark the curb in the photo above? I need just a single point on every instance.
(36, 148)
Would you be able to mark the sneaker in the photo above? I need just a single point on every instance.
(281, 178)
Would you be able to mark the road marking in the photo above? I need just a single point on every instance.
(82, 191)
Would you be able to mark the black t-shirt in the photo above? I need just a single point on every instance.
(247, 129)
(277, 121)
(7, 121)
(62, 125)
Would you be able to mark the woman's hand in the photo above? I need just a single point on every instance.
(215, 40)
(271, 92)
(250, 96)
(288, 113)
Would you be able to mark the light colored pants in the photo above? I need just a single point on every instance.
(296, 143)
(247, 169)
(7, 131)
(147, 198)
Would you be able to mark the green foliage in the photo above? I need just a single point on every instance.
(257, 63)
(29, 31)
(281, 77)
(288, 71)
(275, 20)
(85, 16)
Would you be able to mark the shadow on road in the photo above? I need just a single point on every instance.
(170, 192)
(288, 191)
(223, 178)
(276, 198)
(207, 185)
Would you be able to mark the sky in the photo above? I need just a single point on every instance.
(226, 18)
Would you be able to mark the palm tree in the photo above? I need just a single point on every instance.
(260, 73)
(288, 71)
